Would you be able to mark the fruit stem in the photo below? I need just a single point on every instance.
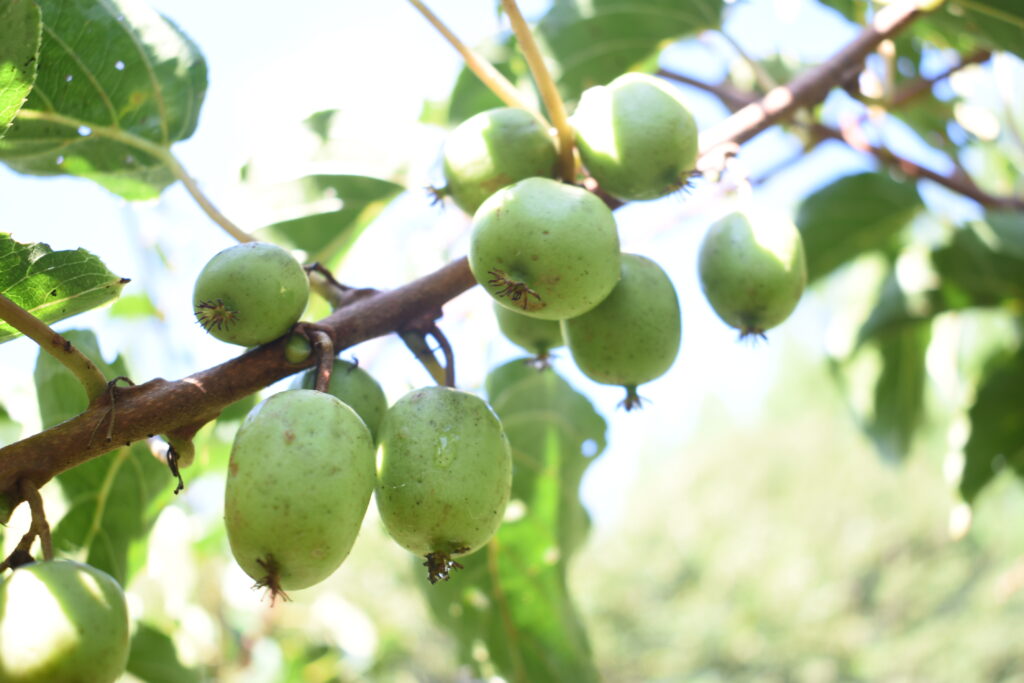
(449, 355)
(40, 526)
(85, 371)
(548, 91)
(160, 152)
(484, 70)
(325, 358)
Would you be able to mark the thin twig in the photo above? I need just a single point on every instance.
(84, 370)
(548, 90)
(484, 70)
(161, 153)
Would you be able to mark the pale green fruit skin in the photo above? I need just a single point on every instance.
(299, 481)
(265, 287)
(753, 270)
(635, 137)
(536, 335)
(62, 622)
(633, 336)
(445, 473)
(493, 149)
(559, 240)
(356, 388)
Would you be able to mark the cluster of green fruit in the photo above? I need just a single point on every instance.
(548, 252)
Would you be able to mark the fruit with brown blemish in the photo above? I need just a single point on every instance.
(632, 337)
(753, 270)
(545, 249)
(493, 149)
(444, 477)
(250, 294)
(299, 482)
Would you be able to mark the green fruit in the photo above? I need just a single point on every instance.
(536, 335)
(635, 137)
(250, 294)
(445, 475)
(62, 622)
(299, 482)
(633, 336)
(493, 149)
(355, 387)
(752, 270)
(545, 249)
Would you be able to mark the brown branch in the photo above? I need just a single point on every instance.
(160, 406)
(807, 89)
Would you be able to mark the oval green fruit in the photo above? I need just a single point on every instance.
(299, 482)
(636, 137)
(752, 269)
(493, 149)
(445, 475)
(536, 335)
(250, 294)
(633, 336)
(545, 249)
(62, 622)
(355, 387)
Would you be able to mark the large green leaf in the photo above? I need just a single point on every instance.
(10, 430)
(512, 595)
(52, 285)
(997, 430)
(899, 391)
(115, 64)
(855, 214)
(153, 658)
(1009, 228)
(968, 24)
(325, 236)
(593, 41)
(975, 274)
(111, 498)
(20, 28)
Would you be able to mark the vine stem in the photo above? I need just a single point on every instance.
(548, 90)
(160, 152)
(484, 70)
(55, 344)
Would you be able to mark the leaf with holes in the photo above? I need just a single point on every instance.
(20, 28)
(592, 42)
(112, 499)
(52, 285)
(513, 594)
(117, 84)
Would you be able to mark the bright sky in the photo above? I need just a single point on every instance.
(270, 67)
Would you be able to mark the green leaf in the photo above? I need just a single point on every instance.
(975, 274)
(593, 41)
(20, 32)
(153, 658)
(52, 285)
(968, 24)
(855, 214)
(110, 498)
(997, 430)
(899, 392)
(10, 431)
(113, 64)
(513, 595)
(1009, 228)
(325, 236)
(470, 96)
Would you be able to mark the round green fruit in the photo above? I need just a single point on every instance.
(536, 335)
(545, 249)
(355, 387)
(250, 294)
(445, 475)
(633, 336)
(752, 269)
(493, 149)
(299, 482)
(62, 622)
(635, 137)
